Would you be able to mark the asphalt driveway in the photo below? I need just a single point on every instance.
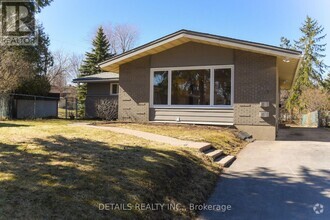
(277, 179)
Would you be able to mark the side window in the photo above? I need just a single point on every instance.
(114, 89)
(160, 87)
(222, 87)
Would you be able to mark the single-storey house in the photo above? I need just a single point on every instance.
(99, 86)
(199, 78)
(65, 92)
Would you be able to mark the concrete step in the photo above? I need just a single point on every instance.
(213, 153)
(205, 147)
(225, 161)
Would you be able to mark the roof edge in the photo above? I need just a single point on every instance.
(296, 72)
(96, 80)
(205, 35)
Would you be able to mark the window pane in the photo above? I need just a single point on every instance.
(114, 89)
(160, 87)
(191, 87)
(222, 87)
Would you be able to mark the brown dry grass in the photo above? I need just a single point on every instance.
(223, 138)
(49, 169)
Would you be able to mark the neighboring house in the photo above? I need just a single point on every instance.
(67, 94)
(64, 92)
(198, 78)
(99, 86)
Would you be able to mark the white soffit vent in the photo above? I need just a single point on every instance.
(263, 114)
(264, 104)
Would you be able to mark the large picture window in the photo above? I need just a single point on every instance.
(191, 87)
(209, 86)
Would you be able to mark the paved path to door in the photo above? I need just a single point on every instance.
(277, 179)
(150, 136)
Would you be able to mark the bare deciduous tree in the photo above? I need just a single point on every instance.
(122, 37)
(75, 64)
(65, 68)
(315, 99)
(13, 70)
(58, 72)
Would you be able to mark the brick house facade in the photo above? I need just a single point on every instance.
(228, 82)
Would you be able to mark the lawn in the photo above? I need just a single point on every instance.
(223, 138)
(52, 170)
(61, 113)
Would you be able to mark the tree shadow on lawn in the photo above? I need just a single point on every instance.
(10, 125)
(69, 178)
(266, 194)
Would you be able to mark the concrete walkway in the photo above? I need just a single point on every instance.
(276, 180)
(201, 146)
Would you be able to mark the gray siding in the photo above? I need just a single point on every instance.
(98, 88)
(193, 54)
(207, 116)
(96, 92)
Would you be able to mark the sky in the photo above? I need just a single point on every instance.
(71, 23)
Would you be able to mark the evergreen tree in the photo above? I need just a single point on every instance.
(312, 66)
(45, 58)
(40, 54)
(100, 52)
(40, 4)
(36, 85)
(40, 57)
(286, 43)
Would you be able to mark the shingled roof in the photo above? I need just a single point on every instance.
(100, 77)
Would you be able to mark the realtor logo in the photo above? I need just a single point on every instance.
(18, 23)
(318, 208)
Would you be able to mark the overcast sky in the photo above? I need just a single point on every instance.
(71, 23)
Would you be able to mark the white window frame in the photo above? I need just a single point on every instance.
(169, 95)
(111, 85)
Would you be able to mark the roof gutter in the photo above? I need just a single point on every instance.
(96, 81)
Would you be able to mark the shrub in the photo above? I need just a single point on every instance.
(107, 109)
